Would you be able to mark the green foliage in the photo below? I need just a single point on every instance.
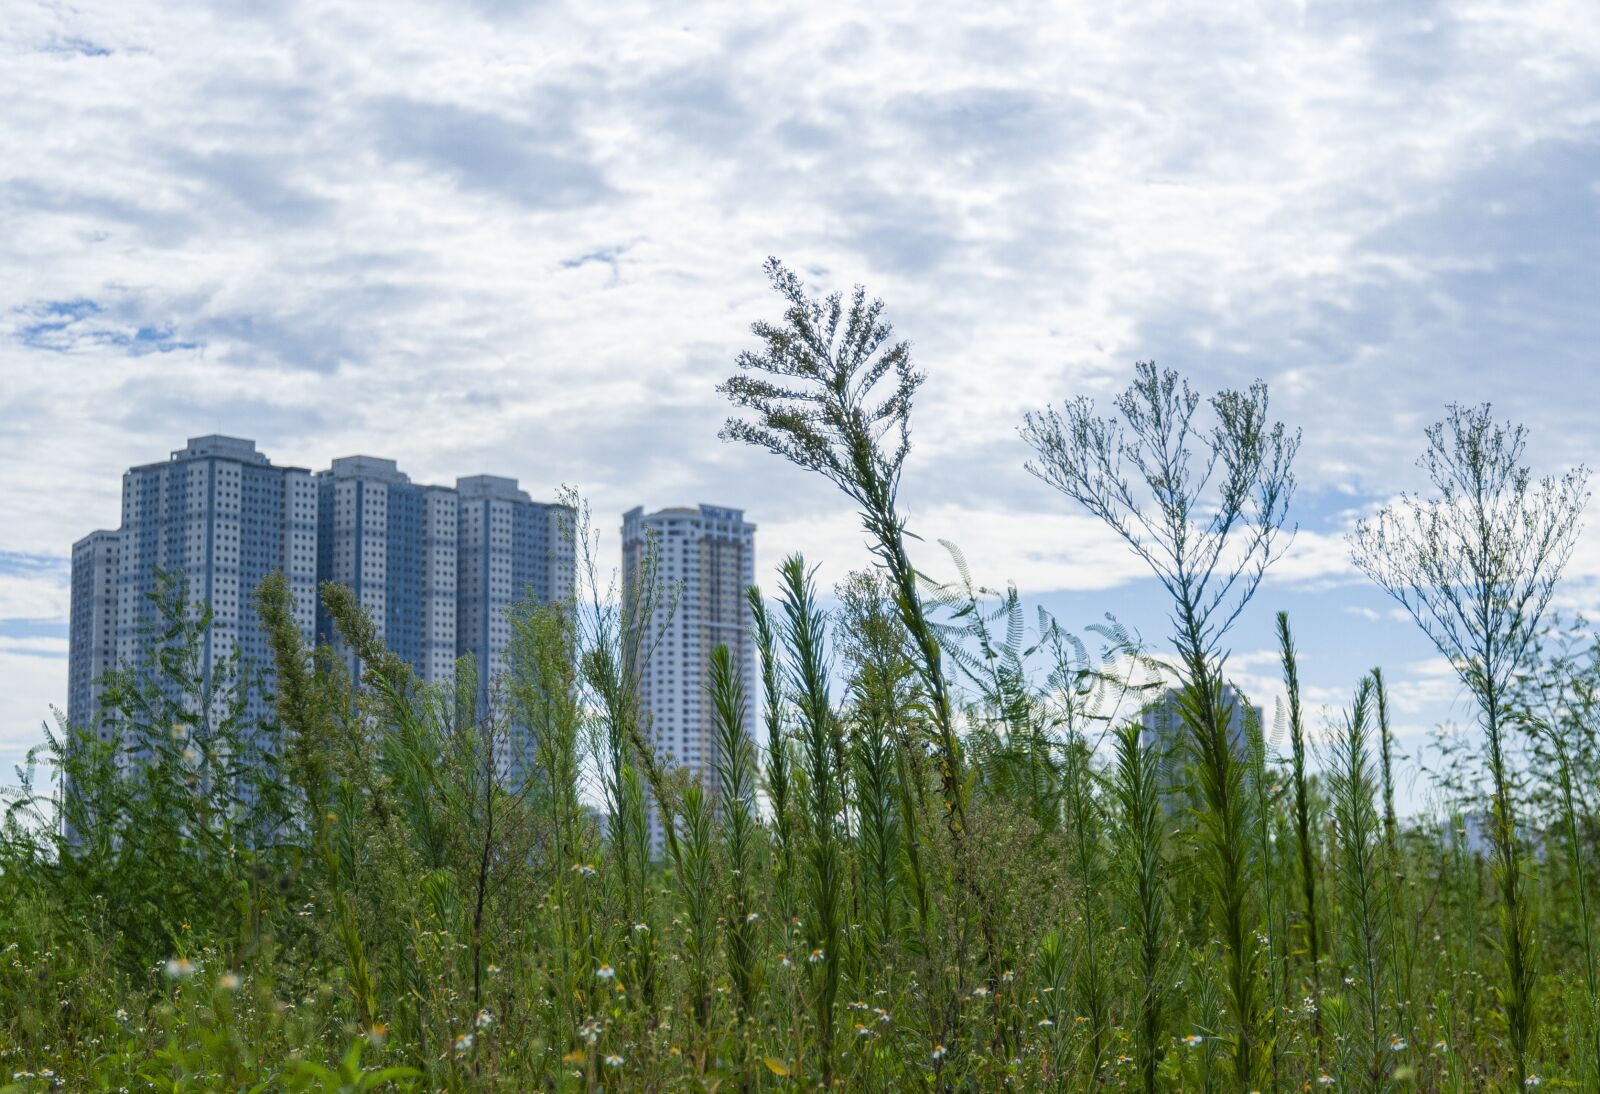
(389, 887)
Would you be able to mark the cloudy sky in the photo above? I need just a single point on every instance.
(526, 239)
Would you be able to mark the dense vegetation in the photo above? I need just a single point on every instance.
(952, 860)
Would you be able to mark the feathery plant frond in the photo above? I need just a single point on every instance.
(617, 638)
(823, 410)
(1265, 794)
(1140, 860)
(740, 831)
(1303, 827)
(1555, 704)
(776, 771)
(805, 635)
(1358, 830)
(1208, 527)
(882, 699)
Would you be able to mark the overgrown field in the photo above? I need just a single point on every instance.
(951, 860)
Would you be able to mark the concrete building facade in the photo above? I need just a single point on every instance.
(706, 554)
(219, 516)
(509, 547)
(436, 567)
(92, 636)
(393, 543)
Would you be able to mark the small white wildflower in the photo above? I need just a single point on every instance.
(178, 968)
(463, 1042)
(1532, 1080)
(228, 981)
(613, 1060)
(938, 1052)
(605, 972)
(752, 917)
(1045, 1023)
(1325, 1079)
(1193, 1040)
(1397, 1044)
(484, 1020)
(817, 957)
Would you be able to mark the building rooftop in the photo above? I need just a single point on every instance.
(365, 467)
(215, 444)
(491, 486)
(709, 512)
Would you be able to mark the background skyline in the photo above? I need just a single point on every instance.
(526, 239)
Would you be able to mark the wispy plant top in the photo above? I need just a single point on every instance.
(815, 389)
(1208, 523)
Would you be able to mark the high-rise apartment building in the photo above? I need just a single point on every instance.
(436, 567)
(393, 543)
(1162, 728)
(708, 555)
(92, 638)
(509, 548)
(220, 517)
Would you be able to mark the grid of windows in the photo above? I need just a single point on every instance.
(708, 555)
(437, 567)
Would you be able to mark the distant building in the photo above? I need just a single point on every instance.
(707, 554)
(509, 547)
(393, 543)
(92, 638)
(436, 567)
(221, 517)
(1162, 728)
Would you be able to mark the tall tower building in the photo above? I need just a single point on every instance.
(1162, 728)
(509, 548)
(92, 637)
(393, 543)
(220, 516)
(708, 555)
(435, 567)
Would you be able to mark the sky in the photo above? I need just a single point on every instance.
(526, 238)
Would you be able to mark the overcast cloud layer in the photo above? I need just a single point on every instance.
(525, 238)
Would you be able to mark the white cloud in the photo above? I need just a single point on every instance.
(37, 646)
(526, 239)
(1037, 553)
(32, 686)
(37, 593)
